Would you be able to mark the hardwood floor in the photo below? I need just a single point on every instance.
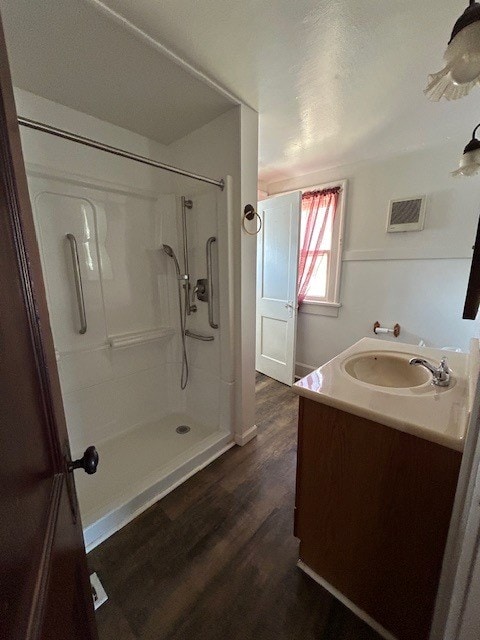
(216, 558)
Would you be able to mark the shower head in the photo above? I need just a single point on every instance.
(171, 253)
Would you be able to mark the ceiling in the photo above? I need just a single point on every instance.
(69, 52)
(334, 81)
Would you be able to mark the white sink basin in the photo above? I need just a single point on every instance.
(373, 380)
(386, 369)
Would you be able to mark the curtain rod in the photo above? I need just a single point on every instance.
(88, 142)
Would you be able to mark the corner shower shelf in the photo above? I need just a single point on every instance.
(140, 337)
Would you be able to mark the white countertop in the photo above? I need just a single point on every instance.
(438, 414)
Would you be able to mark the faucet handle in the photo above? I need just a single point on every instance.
(444, 365)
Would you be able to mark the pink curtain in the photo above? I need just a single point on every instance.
(317, 206)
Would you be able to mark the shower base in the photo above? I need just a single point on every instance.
(140, 466)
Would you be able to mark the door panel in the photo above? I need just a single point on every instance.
(42, 557)
(274, 339)
(276, 242)
(67, 569)
(277, 268)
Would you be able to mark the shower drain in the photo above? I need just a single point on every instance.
(182, 429)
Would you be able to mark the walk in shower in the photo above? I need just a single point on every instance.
(137, 273)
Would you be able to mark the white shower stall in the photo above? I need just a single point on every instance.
(101, 223)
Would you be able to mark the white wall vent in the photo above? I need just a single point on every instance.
(406, 214)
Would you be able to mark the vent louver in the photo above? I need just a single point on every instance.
(406, 214)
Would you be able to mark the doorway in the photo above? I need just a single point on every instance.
(299, 259)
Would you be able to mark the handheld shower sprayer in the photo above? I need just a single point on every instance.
(183, 279)
(171, 254)
(167, 249)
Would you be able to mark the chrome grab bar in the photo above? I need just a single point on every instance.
(210, 241)
(77, 276)
(197, 336)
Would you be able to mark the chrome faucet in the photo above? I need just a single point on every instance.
(441, 374)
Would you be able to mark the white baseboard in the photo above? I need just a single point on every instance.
(302, 369)
(243, 438)
(348, 603)
(104, 527)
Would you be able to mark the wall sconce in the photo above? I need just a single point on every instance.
(470, 161)
(462, 57)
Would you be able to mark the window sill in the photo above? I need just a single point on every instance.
(321, 308)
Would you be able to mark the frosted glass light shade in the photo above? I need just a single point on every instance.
(462, 66)
(469, 164)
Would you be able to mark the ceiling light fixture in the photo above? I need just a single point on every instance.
(470, 161)
(462, 57)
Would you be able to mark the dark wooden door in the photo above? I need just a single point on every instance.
(44, 584)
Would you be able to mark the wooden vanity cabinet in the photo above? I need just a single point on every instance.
(372, 513)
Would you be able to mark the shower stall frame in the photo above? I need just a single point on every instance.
(169, 478)
(108, 524)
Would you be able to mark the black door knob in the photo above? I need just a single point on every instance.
(88, 463)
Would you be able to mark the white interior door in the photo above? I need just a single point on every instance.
(277, 268)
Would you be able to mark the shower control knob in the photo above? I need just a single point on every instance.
(88, 463)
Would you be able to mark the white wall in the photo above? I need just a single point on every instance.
(62, 155)
(417, 279)
(248, 265)
(204, 397)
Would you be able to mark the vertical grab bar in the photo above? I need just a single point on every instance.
(77, 276)
(210, 241)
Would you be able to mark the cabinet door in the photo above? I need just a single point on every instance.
(373, 511)
(57, 214)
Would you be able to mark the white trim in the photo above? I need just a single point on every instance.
(338, 232)
(341, 234)
(320, 308)
(302, 369)
(226, 224)
(242, 438)
(104, 527)
(358, 255)
(334, 298)
(345, 601)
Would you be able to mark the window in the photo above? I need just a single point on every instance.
(321, 232)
